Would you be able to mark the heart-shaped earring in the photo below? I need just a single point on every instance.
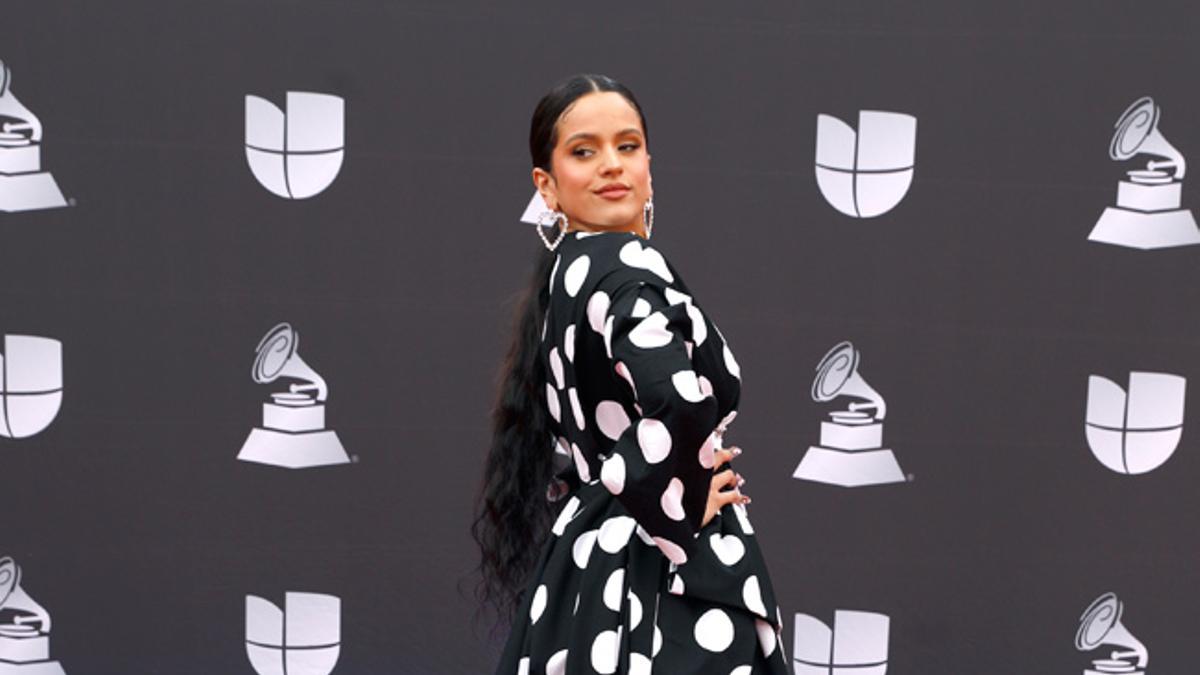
(547, 219)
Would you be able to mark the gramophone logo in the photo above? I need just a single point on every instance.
(303, 639)
(1101, 625)
(865, 174)
(1138, 431)
(293, 432)
(851, 452)
(857, 644)
(1148, 213)
(23, 184)
(296, 154)
(24, 628)
(31, 384)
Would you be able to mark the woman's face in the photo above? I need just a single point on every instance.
(600, 170)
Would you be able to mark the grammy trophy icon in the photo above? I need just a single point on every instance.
(1148, 213)
(1100, 625)
(23, 184)
(24, 628)
(293, 433)
(851, 452)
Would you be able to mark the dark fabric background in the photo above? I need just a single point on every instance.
(978, 305)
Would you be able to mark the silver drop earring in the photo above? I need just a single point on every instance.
(547, 219)
(648, 216)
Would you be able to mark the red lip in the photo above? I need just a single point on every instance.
(613, 190)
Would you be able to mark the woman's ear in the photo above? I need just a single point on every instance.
(544, 182)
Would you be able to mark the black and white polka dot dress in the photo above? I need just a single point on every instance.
(641, 387)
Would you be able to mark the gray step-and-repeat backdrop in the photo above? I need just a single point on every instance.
(953, 244)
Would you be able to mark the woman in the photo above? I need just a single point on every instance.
(650, 562)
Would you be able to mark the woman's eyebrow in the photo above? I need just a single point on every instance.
(589, 135)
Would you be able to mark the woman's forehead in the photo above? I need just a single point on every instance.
(600, 113)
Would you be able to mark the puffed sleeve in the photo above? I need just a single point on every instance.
(657, 467)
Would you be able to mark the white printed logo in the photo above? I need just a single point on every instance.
(1139, 431)
(851, 452)
(31, 384)
(1148, 213)
(303, 639)
(23, 184)
(865, 174)
(857, 645)
(293, 432)
(296, 154)
(24, 628)
(1101, 625)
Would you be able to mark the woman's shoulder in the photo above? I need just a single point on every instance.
(610, 259)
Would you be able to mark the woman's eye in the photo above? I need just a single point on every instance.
(630, 146)
(581, 152)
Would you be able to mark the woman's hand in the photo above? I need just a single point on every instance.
(724, 487)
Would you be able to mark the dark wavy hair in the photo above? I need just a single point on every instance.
(514, 509)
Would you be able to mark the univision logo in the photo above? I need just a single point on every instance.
(304, 638)
(865, 174)
(857, 644)
(296, 154)
(31, 384)
(1138, 431)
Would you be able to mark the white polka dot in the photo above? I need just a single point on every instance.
(672, 500)
(699, 328)
(635, 611)
(688, 346)
(557, 665)
(576, 409)
(554, 271)
(731, 364)
(743, 518)
(674, 297)
(687, 385)
(562, 447)
(615, 533)
(623, 371)
(752, 596)
(676, 585)
(545, 323)
(556, 367)
(523, 666)
(569, 343)
(766, 636)
(706, 387)
(651, 332)
(538, 605)
(575, 609)
(568, 513)
(742, 670)
(597, 308)
(585, 235)
(581, 465)
(608, 329)
(581, 550)
(634, 255)
(612, 474)
(670, 549)
(653, 439)
(707, 455)
(714, 631)
(612, 419)
(552, 403)
(575, 275)
(644, 536)
(638, 664)
(641, 309)
(728, 419)
(728, 548)
(658, 640)
(604, 652)
(613, 588)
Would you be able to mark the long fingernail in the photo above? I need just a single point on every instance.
(736, 451)
(745, 499)
(741, 480)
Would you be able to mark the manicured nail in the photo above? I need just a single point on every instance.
(741, 480)
(746, 500)
(736, 451)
